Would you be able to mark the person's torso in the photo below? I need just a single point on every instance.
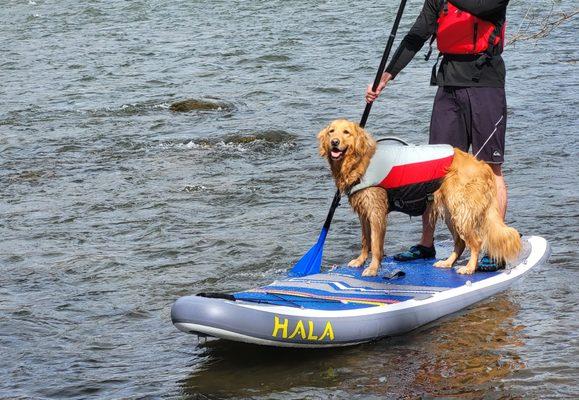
(461, 64)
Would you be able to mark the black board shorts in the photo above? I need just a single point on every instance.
(471, 116)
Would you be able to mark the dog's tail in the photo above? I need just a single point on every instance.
(501, 241)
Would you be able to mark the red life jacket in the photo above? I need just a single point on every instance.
(460, 32)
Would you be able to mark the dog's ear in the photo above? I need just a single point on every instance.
(323, 141)
(363, 142)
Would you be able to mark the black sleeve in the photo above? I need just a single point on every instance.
(481, 8)
(421, 31)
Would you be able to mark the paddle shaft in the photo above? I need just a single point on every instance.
(335, 204)
(385, 55)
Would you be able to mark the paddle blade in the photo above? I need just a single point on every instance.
(311, 262)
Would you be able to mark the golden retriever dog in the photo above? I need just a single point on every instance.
(466, 200)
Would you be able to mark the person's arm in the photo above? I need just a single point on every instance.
(421, 31)
(481, 8)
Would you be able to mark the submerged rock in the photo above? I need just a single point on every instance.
(30, 176)
(198, 105)
(269, 136)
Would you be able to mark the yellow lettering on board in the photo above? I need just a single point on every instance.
(328, 331)
(277, 326)
(300, 328)
(311, 335)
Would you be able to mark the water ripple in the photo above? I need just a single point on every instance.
(113, 205)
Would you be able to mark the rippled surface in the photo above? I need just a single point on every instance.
(112, 206)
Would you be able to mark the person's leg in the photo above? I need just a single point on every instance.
(448, 125)
(489, 108)
(427, 238)
(501, 189)
(486, 263)
(424, 248)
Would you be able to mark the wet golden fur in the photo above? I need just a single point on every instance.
(466, 200)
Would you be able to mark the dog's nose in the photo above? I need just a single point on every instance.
(335, 142)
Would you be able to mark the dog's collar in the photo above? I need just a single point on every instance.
(348, 190)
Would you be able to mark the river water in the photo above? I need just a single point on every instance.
(112, 206)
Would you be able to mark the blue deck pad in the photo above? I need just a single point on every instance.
(418, 273)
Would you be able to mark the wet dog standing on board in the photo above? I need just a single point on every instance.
(461, 187)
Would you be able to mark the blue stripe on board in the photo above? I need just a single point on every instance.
(300, 302)
(368, 289)
(338, 296)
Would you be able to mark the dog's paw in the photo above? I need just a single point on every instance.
(443, 264)
(466, 270)
(370, 271)
(356, 262)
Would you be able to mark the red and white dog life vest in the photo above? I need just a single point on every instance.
(410, 174)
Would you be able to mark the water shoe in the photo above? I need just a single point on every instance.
(487, 264)
(416, 252)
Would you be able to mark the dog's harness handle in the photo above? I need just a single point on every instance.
(394, 138)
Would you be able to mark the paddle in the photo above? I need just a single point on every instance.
(311, 262)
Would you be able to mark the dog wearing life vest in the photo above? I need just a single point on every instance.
(466, 198)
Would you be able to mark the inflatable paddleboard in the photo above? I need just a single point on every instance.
(339, 307)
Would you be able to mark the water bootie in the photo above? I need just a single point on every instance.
(487, 264)
(416, 253)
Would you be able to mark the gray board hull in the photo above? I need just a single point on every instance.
(284, 326)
